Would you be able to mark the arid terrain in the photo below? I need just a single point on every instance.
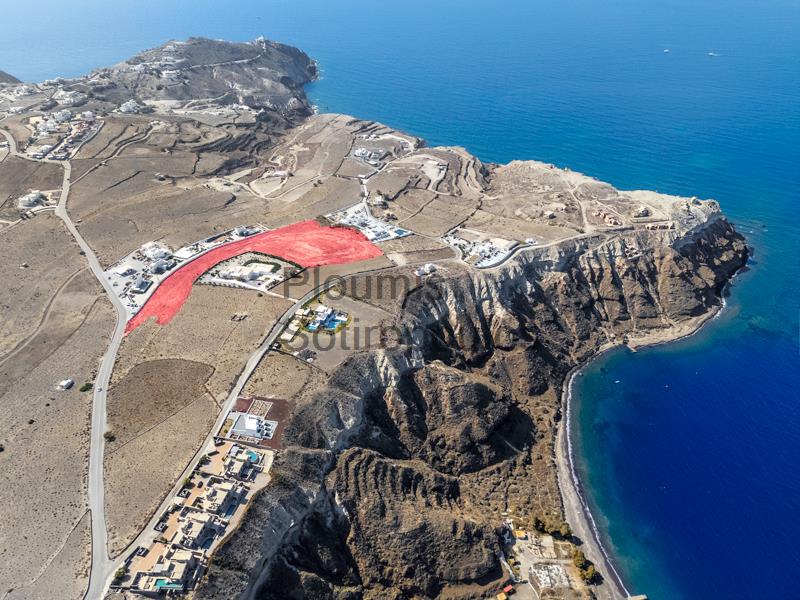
(411, 395)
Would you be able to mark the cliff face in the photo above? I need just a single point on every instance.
(399, 472)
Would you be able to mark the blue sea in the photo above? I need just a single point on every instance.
(689, 452)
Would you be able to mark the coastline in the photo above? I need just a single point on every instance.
(576, 509)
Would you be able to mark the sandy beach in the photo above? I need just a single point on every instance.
(576, 510)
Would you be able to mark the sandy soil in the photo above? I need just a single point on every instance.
(52, 256)
(160, 434)
(139, 474)
(416, 249)
(19, 176)
(315, 277)
(517, 229)
(204, 332)
(437, 217)
(132, 407)
(44, 434)
(281, 376)
(55, 325)
(68, 571)
(330, 195)
(16, 127)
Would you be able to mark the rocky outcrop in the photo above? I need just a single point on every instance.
(199, 72)
(426, 445)
(6, 78)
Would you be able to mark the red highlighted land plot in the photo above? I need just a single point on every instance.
(306, 243)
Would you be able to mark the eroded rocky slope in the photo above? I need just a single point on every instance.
(260, 74)
(399, 473)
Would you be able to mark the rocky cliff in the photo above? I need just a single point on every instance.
(398, 474)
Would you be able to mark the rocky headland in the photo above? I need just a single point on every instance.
(405, 461)
(6, 78)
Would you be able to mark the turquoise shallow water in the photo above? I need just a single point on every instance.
(692, 457)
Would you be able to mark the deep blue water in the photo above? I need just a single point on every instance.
(697, 482)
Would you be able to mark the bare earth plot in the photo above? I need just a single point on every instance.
(318, 276)
(51, 256)
(200, 352)
(18, 177)
(280, 375)
(44, 433)
(68, 571)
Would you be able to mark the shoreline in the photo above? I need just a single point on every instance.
(576, 509)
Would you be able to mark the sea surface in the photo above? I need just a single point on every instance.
(689, 452)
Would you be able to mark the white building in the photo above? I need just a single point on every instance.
(62, 116)
(161, 265)
(48, 126)
(174, 571)
(251, 426)
(425, 269)
(221, 494)
(155, 251)
(141, 285)
(130, 107)
(252, 272)
(32, 200)
(195, 529)
(291, 331)
(245, 231)
(40, 151)
(68, 97)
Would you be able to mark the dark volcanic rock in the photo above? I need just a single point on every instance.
(425, 459)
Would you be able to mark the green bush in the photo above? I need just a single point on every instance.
(120, 573)
(579, 559)
(588, 571)
(590, 574)
(86, 386)
(552, 525)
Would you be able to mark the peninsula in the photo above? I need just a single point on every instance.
(251, 351)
